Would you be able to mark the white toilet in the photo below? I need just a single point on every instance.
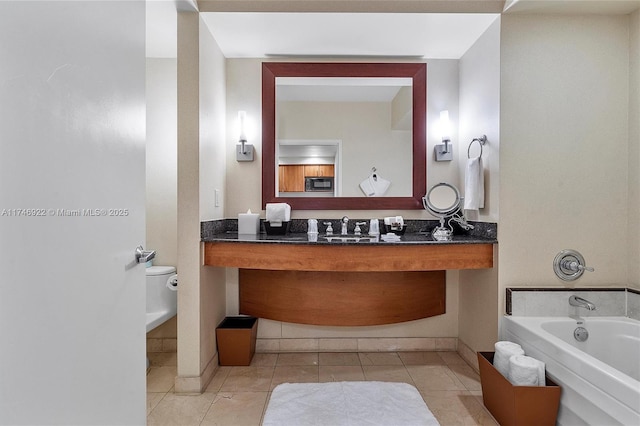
(162, 295)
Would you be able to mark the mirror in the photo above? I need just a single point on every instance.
(347, 161)
(442, 200)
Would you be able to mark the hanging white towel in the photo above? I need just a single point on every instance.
(526, 371)
(380, 185)
(367, 188)
(474, 184)
(504, 351)
(374, 186)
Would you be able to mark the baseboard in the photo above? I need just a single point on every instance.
(393, 344)
(469, 355)
(197, 385)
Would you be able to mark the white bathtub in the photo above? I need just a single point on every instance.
(600, 378)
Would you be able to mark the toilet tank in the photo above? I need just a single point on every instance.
(161, 298)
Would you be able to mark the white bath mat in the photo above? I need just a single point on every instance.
(347, 404)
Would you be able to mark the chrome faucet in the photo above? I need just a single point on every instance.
(581, 303)
(345, 221)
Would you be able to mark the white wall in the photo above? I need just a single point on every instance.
(480, 114)
(634, 150)
(564, 133)
(162, 165)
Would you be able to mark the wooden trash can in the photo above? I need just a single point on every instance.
(236, 339)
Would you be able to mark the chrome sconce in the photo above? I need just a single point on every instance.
(444, 151)
(244, 151)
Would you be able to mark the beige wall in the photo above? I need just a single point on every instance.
(201, 99)
(212, 176)
(161, 162)
(243, 189)
(243, 92)
(564, 134)
(480, 114)
(363, 147)
(634, 150)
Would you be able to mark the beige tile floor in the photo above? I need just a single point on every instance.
(238, 396)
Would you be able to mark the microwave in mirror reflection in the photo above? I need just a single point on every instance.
(318, 184)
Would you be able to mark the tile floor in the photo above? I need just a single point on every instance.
(239, 395)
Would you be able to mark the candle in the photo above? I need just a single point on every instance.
(248, 223)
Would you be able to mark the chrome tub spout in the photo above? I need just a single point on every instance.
(581, 303)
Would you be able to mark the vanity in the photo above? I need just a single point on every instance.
(297, 279)
(346, 282)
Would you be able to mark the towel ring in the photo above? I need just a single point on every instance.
(481, 141)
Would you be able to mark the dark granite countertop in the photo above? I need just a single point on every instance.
(320, 239)
(418, 232)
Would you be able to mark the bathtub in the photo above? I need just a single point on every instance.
(600, 377)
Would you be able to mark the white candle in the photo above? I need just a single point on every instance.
(248, 223)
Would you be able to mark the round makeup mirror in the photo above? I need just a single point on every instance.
(442, 200)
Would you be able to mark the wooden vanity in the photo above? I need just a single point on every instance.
(344, 284)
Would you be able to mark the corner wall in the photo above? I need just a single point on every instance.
(200, 169)
(634, 150)
(161, 160)
(564, 133)
(480, 114)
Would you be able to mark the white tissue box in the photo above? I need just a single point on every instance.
(248, 223)
(517, 405)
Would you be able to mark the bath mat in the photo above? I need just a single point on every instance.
(347, 404)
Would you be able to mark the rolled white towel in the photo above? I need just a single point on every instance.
(504, 351)
(526, 371)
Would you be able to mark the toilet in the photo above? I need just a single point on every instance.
(162, 295)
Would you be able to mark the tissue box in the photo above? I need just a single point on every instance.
(248, 223)
(276, 230)
(517, 405)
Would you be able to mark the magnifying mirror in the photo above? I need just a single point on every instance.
(443, 200)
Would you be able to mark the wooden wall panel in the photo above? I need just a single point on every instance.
(342, 298)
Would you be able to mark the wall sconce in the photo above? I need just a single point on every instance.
(444, 151)
(244, 151)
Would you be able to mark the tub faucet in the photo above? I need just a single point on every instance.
(581, 303)
(345, 221)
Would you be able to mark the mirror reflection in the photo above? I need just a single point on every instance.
(343, 137)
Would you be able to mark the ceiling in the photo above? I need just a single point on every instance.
(258, 33)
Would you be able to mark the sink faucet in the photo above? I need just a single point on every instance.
(581, 303)
(345, 221)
